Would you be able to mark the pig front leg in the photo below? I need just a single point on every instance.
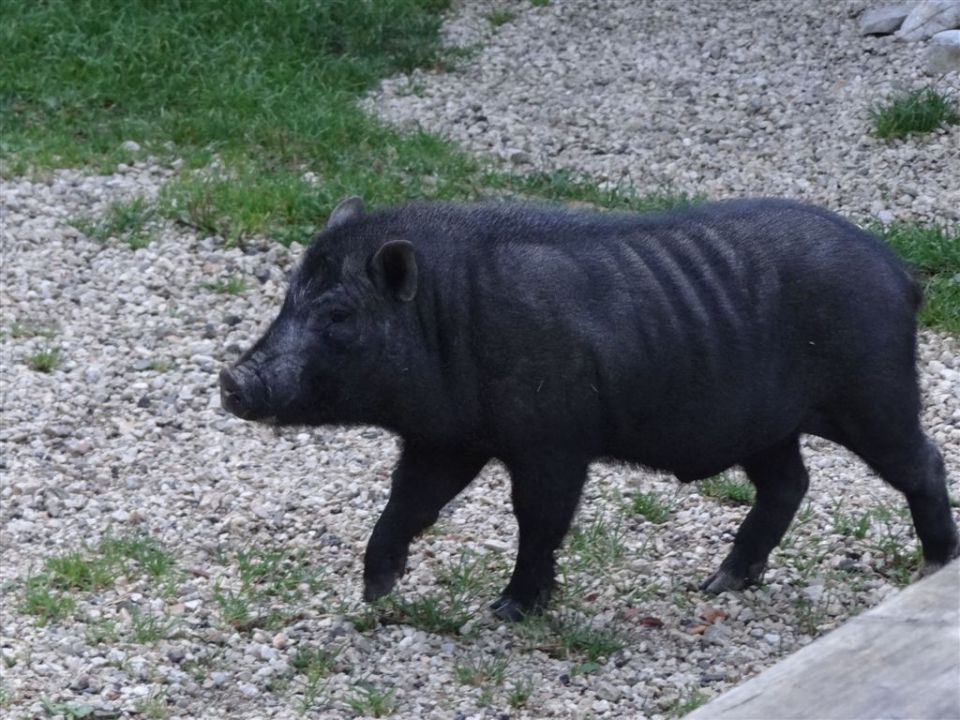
(781, 481)
(545, 493)
(426, 478)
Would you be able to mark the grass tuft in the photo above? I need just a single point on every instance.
(231, 286)
(500, 17)
(916, 111)
(596, 545)
(41, 600)
(728, 488)
(481, 670)
(89, 570)
(273, 585)
(44, 360)
(370, 701)
(124, 219)
(934, 253)
(651, 506)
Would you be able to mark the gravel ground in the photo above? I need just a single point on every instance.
(760, 98)
(125, 436)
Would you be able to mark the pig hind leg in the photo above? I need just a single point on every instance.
(426, 478)
(545, 493)
(889, 439)
(781, 482)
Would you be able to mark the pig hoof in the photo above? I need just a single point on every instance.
(377, 587)
(373, 590)
(725, 579)
(510, 610)
(721, 581)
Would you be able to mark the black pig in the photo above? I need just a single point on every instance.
(690, 341)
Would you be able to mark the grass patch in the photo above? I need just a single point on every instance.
(566, 636)
(934, 253)
(44, 602)
(520, 693)
(728, 489)
(274, 582)
(687, 704)
(146, 628)
(500, 17)
(123, 219)
(153, 706)
(258, 99)
(27, 329)
(81, 77)
(89, 570)
(567, 186)
(481, 670)
(370, 701)
(69, 711)
(651, 506)
(916, 111)
(44, 360)
(314, 664)
(76, 571)
(473, 576)
(433, 614)
(596, 545)
(231, 286)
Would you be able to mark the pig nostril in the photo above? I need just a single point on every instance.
(230, 390)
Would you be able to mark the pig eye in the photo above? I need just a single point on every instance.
(337, 315)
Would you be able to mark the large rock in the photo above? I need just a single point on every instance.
(944, 53)
(883, 20)
(929, 18)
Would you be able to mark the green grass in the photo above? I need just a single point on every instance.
(916, 111)
(45, 603)
(370, 701)
(76, 571)
(500, 17)
(314, 664)
(231, 286)
(687, 704)
(147, 628)
(123, 219)
(46, 594)
(44, 360)
(934, 252)
(80, 77)
(153, 706)
(520, 693)
(567, 186)
(27, 329)
(651, 506)
(430, 613)
(252, 96)
(728, 488)
(273, 584)
(69, 711)
(596, 545)
(566, 636)
(269, 90)
(481, 670)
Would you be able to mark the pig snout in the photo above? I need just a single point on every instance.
(243, 393)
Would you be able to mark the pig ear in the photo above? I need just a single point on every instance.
(345, 210)
(393, 269)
